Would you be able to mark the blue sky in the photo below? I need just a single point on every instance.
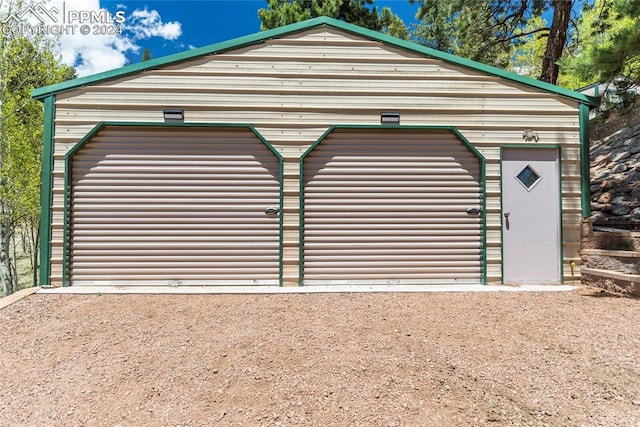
(163, 26)
(205, 22)
(175, 26)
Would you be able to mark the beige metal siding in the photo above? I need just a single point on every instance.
(390, 207)
(292, 94)
(174, 205)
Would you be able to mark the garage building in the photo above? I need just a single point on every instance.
(319, 153)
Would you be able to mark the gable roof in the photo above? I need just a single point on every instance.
(261, 37)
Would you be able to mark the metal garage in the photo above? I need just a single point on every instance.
(317, 153)
(174, 205)
(392, 206)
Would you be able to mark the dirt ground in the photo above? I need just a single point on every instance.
(384, 359)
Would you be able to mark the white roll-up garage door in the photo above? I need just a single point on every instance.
(390, 207)
(174, 205)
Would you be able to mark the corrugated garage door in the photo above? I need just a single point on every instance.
(390, 207)
(170, 205)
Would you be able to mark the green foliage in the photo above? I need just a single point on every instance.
(437, 27)
(526, 56)
(480, 30)
(360, 12)
(146, 55)
(24, 66)
(393, 25)
(608, 44)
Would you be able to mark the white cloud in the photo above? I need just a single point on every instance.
(94, 53)
(148, 23)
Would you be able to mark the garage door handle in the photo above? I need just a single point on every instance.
(474, 211)
(272, 211)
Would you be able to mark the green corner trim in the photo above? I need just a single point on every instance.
(67, 199)
(585, 161)
(302, 26)
(46, 191)
(400, 128)
(102, 125)
(561, 207)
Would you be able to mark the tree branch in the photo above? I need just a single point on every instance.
(516, 36)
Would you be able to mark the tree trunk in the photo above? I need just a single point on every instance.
(556, 40)
(14, 263)
(35, 248)
(6, 267)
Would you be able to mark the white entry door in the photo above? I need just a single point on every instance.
(531, 220)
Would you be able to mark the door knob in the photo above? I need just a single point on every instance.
(272, 211)
(506, 214)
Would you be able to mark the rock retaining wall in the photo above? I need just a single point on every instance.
(609, 258)
(615, 176)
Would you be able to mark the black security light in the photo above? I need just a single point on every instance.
(173, 114)
(389, 118)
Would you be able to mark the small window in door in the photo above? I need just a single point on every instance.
(528, 177)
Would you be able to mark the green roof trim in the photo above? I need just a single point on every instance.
(585, 162)
(261, 37)
(46, 191)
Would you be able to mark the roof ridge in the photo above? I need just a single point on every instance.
(261, 37)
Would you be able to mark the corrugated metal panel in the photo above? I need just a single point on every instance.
(390, 207)
(306, 114)
(174, 206)
(408, 94)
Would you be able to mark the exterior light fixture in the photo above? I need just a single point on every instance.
(387, 118)
(173, 114)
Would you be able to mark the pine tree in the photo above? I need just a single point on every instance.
(360, 12)
(146, 54)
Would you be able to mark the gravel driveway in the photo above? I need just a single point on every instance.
(444, 359)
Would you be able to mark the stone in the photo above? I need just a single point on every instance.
(596, 150)
(633, 177)
(636, 402)
(603, 174)
(600, 160)
(623, 188)
(606, 198)
(635, 214)
(599, 216)
(610, 183)
(619, 168)
(625, 200)
(594, 187)
(621, 210)
(635, 149)
(620, 155)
